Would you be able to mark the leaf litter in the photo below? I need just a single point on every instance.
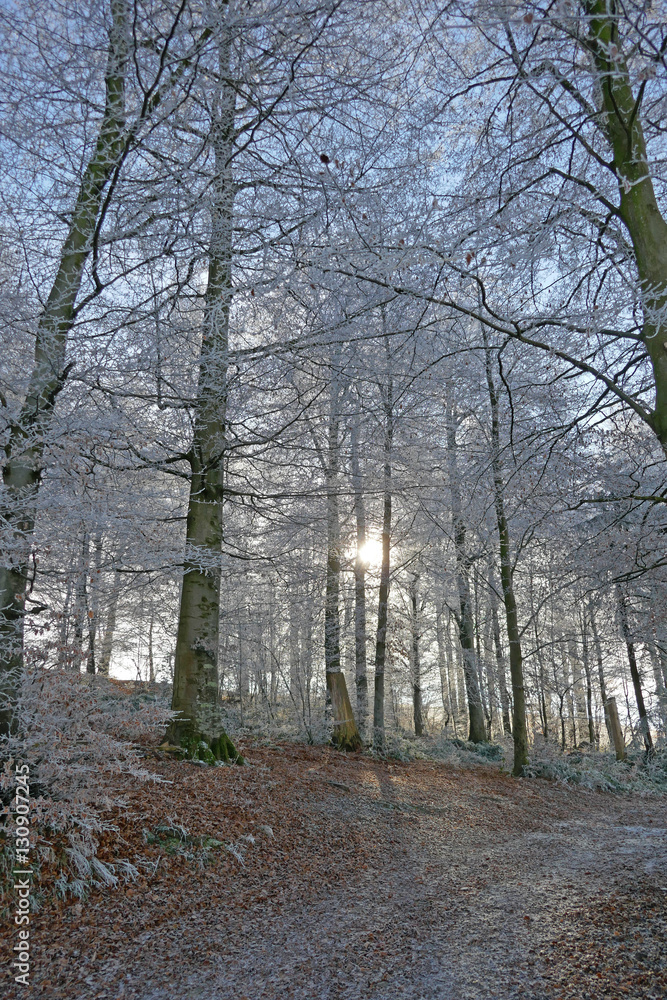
(311, 874)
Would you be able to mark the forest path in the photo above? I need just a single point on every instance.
(386, 881)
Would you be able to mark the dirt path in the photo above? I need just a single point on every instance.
(386, 881)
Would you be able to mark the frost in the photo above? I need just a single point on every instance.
(78, 734)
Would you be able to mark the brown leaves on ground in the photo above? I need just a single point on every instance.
(315, 874)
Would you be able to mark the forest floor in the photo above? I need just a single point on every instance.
(367, 879)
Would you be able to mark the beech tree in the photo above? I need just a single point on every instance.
(477, 732)
(304, 399)
(119, 115)
(519, 732)
(582, 89)
(195, 694)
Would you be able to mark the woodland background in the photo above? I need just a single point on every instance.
(332, 383)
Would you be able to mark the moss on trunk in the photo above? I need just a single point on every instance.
(199, 745)
(345, 733)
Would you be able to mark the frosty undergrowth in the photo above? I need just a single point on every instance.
(601, 771)
(77, 733)
(598, 771)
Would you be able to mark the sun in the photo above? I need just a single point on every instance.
(370, 552)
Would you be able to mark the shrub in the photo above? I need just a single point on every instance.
(77, 733)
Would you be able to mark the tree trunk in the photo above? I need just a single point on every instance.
(64, 659)
(477, 731)
(243, 681)
(417, 705)
(569, 687)
(589, 685)
(456, 681)
(383, 599)
(110, 627)
(615, 728)
(195, 694)
(661, 643)
(94, 603)
(661, 693)
(578, 691)
(519, 729)
(601, 677)
(634, 670)
(275, 665)
(490, 661)
(486, 696)
(151, 659)
(23, 452)
(639, 209)
(477, 727)
(345, 732)
(444, 669)
(500, 667)
(561, 704)
(461, 695)
(361, 678)
(295, 679)
(543, 704)
(81, 607)
(307, 662)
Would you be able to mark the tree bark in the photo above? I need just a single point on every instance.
(589, 685)
(81, 607)
(151, 657)
(23, 452)
(361, 678)
(94, 603)
(295, 678)
(519, 729)
(500, 664)
(195, 694)
(477, 730)
(615, 728)
(486, 696)
(661, 643)
(634, 670)
(345, 732)
(661, 693)
(110, 627)
(444, 660)
(64, 659)
(569, 689)
(601, 677)
(639, 209)
(383, 599)
(417, 703)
